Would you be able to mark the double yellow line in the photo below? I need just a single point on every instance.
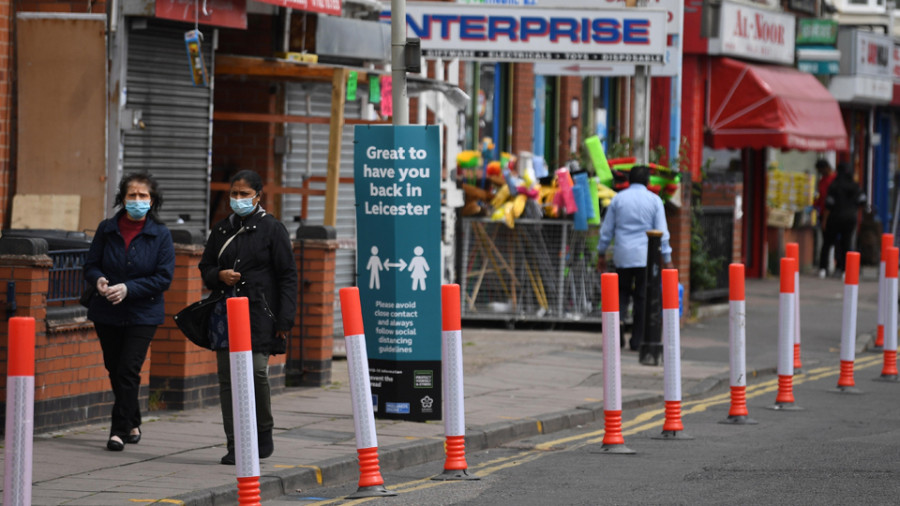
(644, 421)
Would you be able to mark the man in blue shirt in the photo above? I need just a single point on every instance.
(629, 216)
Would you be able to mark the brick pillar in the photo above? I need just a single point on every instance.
(679, 223)
(523, 107)
(311, 350)
(182, 375)
(570, 89)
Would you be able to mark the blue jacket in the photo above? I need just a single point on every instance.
(146, 269)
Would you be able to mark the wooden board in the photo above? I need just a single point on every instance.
(46, 211)
(61, 65)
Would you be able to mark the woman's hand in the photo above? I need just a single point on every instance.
(116, 293)
(229, 276)
(102, 286)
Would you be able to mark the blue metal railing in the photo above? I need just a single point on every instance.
(66, 276)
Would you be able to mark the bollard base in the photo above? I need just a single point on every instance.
(672, 435)
(618, 449)
(785, 406)
(455, 475)
(374, 491)
(875, 349)
(888, 378)
(846, 390)
(738, 420)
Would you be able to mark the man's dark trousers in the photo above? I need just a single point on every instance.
(633, 284)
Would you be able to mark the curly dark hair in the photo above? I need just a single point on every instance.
(147, 179)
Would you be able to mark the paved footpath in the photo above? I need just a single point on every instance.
(517, 383)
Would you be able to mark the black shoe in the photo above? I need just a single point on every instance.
(228, 459)
(115, 444)
(134, 439)
(266, 445)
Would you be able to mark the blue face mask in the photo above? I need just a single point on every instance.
(242, 207)
(137, 209)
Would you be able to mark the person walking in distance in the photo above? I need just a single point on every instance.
(826, 177)
(841, 206)
(629, 216)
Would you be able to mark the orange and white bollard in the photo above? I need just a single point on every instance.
(19, 412)
(846, 383)
(785, 398)
(673, 428)
(737, 342)
(792, 250)
(889, 369)
(887, 240)
(371, 484)
(455, 466)
(246, 445)
(613, 441)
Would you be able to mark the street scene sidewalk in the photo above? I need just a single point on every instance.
(518, 383)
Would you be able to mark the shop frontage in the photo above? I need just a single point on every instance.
(764, 124)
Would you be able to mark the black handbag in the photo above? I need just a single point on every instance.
(87, 295)
(194, 319)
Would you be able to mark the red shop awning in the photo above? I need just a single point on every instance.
(758, 106)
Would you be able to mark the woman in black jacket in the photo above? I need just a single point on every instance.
(131, 261)
(249, 254)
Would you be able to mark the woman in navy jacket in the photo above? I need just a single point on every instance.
(131, 261)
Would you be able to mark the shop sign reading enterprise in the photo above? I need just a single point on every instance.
(479, 32)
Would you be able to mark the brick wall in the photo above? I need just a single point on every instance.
(523, 107)
(679, 223)
(312, 350)
(183, 375)
(570, 88)
(71, 384)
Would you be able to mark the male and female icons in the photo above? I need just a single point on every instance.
(417, 267)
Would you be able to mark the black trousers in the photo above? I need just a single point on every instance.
(838, 233)
(124, 351)
(633, 285)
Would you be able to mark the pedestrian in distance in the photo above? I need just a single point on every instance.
(130, 262)
(630, 215)
(249, 254)
(826, 177)
(841, 207)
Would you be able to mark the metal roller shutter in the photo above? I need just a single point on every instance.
(174, 144)
(309, 158)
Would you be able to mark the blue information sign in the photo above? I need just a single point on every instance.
(397, 174)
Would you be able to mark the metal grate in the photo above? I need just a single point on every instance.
(66, 276)
(538, 270)
(718, 227)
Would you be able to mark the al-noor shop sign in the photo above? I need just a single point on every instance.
(477, 32)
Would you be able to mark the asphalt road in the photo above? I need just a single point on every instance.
(840, 449)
